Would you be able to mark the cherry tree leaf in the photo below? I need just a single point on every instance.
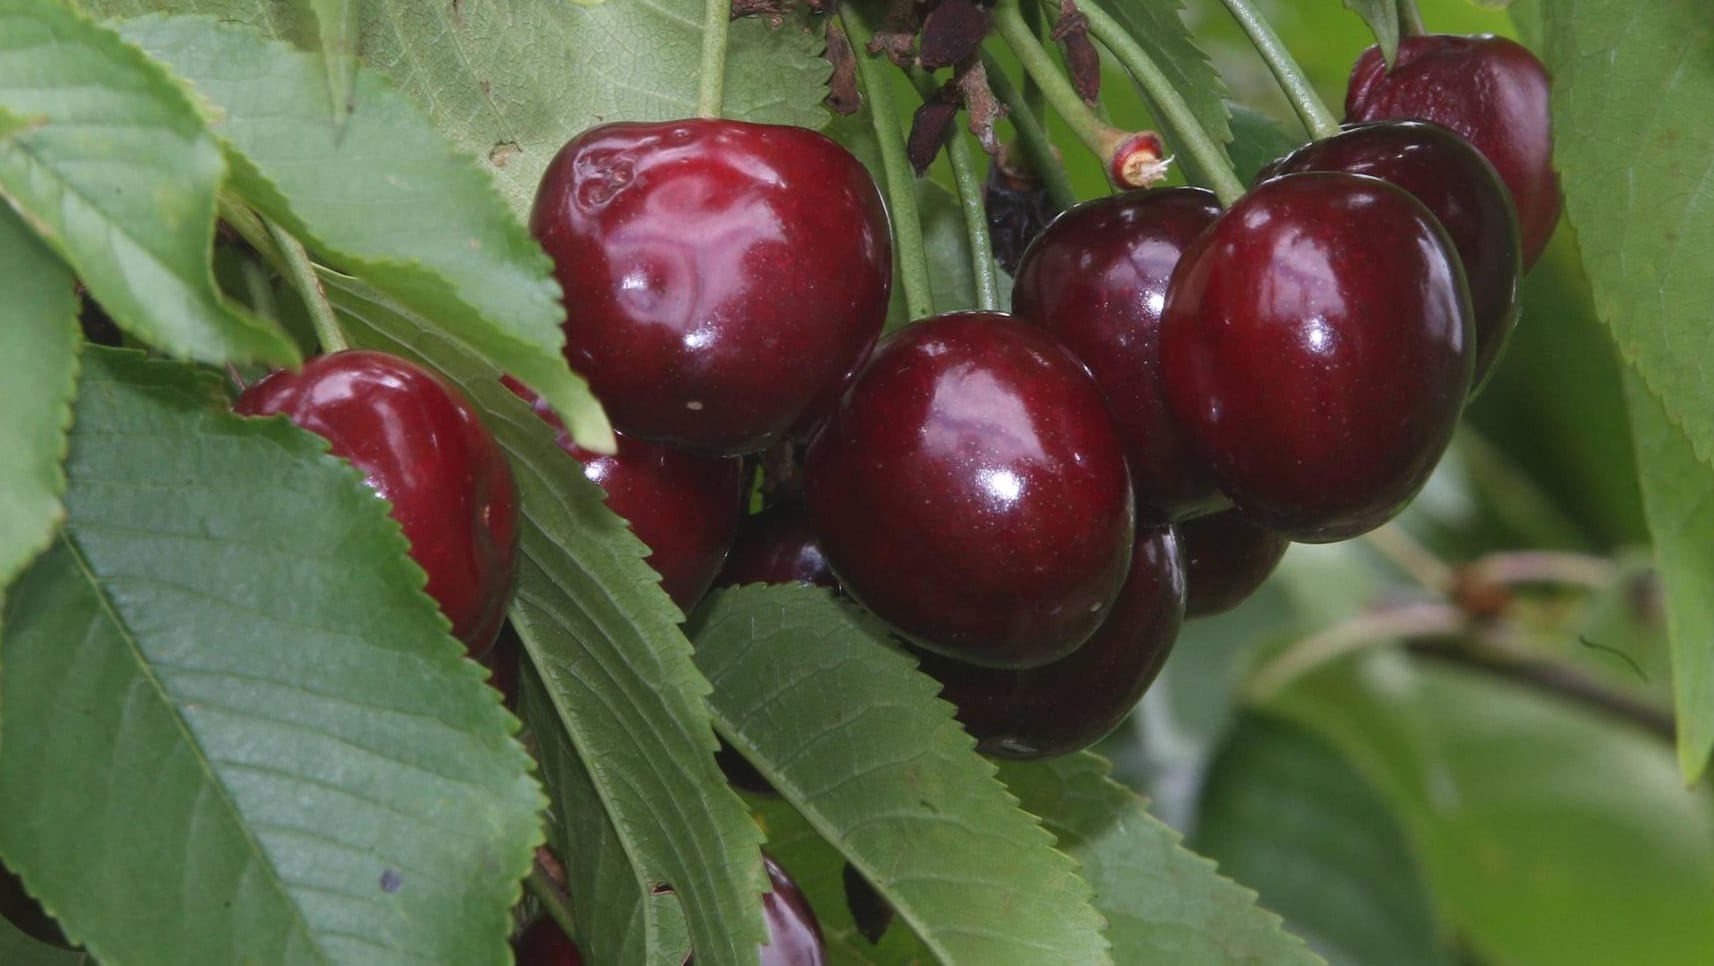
(1382, 16)
(1634, 142)
(112, 166)
(40, 337)
(604, 638)
(811, 692)
(229, 638)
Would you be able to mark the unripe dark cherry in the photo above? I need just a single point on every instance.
(1226, 557)
(420, 445)
(970, 490)
(1491, 90)
(1455, 182)
(1317, 345)
(1096, 279)
(721, 278)
(683, 506)
(1068, 705)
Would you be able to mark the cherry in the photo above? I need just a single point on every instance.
(970, 489)
(1492, 91)
(420, 445)
(776, 546)
(1463, 191)
(721, 278)
(794, 935)
(1070, 704)
(543, 943)
(1226, 557)
(1317, 346)
(683, 506)
(1096, 279)
(502, 664)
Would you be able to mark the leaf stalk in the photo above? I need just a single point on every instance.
(1317, 119)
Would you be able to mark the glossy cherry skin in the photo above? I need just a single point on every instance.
(1491, 90)
(1096, 279)
(683, 506)
(420, 445)
(1226, 557)
(1318, 348)
(970, 489)
(776, 546)
(1068, 705)
(721, 278)
(1455, 182)
(794, 935)
(543, 943)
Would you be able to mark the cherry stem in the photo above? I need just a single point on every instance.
(1544, 567)
(1417, 561)
(1186, 129)
(1410, 19)
(1414, 619)
(553, 901)
(1099, 136)
(301, 273)
(895, 162)
(1038, 149)
(1317, 119)
(717, 14)
(968, 186)
(1031, 94)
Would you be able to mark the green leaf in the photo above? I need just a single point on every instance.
(18, 948)
(605, 638)
(230, 640)
(1649, 250)
(620, 919)
(383, 197)
(336, 29)
(1548, 834)
(1283, 813)
(841, 723)
(39, 338)
(1158, 26)
(1382, 16)
(120, 179)
(1257, 140)
(1163, 903)
(1678, 493)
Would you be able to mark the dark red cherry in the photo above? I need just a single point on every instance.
(1066, 706)
(794, 935)
(720, 277)
(543, 943)
(420, 445)
(502, 664)
(1492, 91)
(970, 489)
(683, 506)
(1455, 182)
(776, 546)
(1226, 557)
(1096, 279)
(1318, 348)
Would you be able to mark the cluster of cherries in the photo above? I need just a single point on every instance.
(1033, 502)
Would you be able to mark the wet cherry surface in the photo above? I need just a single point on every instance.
(1318, 348)
(1455, 182)
(420, 445)
(1491, 90)
(1070, 704)
(683, 506)
(1096, 279)
(721, 278)
(971, 490)
(1226, 557)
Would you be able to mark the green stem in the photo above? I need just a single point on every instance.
(1038, 149)
(1186, 128)
(249, 227)
(1032, 95)
(968, 186)
(901, 180)
(717, 14)
(552, 900)
(1410, 19)
(1317, 119)
(301, 273)
(1098, 135)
